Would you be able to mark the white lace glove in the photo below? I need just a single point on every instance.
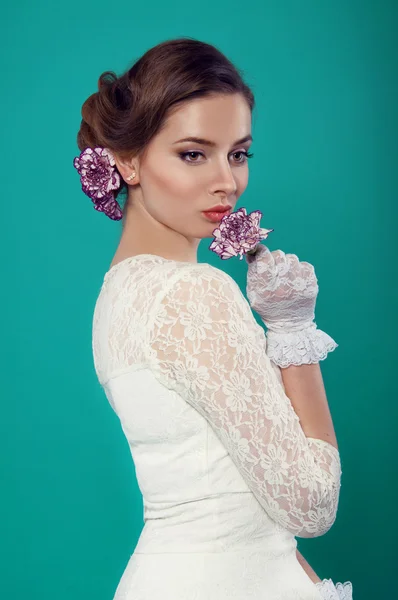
(329, 591)
(283, 292)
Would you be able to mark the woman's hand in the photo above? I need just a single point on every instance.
(281, 289)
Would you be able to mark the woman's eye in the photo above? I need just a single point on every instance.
(184, 154)
(245, 154)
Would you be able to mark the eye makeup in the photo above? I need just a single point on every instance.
(245, 153)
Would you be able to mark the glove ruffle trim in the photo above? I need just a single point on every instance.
(303, 347)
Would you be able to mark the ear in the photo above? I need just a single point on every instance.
(126, 167)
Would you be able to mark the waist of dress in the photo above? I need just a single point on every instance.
(221, 523)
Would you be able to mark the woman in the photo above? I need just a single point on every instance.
(228, 473)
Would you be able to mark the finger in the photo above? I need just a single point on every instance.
(282, 262)
(308, 270)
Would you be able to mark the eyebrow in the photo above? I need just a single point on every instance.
(197, 140)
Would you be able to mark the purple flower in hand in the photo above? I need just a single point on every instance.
(99, 179)
(238, 233)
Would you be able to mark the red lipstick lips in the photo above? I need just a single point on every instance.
(216, 213)
(219, 208)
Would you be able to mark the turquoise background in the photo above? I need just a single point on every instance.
(325, 78)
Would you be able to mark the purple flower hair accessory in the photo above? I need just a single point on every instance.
(239, 233)
(99, 179)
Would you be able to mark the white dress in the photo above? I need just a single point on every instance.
(227, 476)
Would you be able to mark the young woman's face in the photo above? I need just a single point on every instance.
(180, 179)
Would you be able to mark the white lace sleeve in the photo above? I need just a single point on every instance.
(206, 345)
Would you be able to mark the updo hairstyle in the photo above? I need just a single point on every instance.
(128, 111)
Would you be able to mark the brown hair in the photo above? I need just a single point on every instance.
(127, 111)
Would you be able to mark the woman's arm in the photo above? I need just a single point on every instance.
(307, 568)
(305, 389)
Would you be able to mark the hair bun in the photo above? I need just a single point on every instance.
(106, 79)
(117, 89)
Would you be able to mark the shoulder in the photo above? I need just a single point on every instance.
(199, 278)
(202, 287)
(153, 281)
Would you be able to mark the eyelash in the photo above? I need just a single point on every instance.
(244, 152)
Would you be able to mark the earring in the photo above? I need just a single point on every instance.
(131, 176)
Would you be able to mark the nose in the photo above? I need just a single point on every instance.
(224, 180)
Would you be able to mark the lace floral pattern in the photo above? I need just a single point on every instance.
(189, 328)
(278, 287)
(206, 345)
